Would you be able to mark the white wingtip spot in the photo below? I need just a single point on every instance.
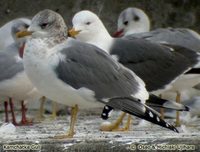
(158, 119)
(18, 59)
(106, 107)
(167, 125)
(103, 114)
(115, 57)
(110, 113)
(105, 99)
(150, 114)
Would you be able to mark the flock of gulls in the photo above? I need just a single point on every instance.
(85, 67)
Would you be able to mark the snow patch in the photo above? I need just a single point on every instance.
(184, 129)
(7, 128)
(144, 123)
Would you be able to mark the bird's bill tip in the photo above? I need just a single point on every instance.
(23, 34)
(118, 33)
(72, 32)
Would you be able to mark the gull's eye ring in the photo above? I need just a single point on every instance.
(136, 18)
(43, 25)
(88, 23)
(126, 23)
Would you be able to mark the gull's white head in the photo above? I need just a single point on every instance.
(88, 26)
(132, 20)
(19, 25)
(47, 23)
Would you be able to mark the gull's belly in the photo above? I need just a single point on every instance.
(17, 87)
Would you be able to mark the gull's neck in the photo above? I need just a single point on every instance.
(55, 40)
(102, 39)
(136, 31)
(43, 47)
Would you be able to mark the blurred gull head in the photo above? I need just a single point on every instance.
(132, 20)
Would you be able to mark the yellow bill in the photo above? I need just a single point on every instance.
(23, 34)
(72, 32)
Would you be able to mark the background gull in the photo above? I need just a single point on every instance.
(81, 75)
(157, 65)
(6, 34)
(14, 83)
(136, 23)
(140, 28)
(131, 28)
(131, 21)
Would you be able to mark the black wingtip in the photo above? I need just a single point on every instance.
(134, 107)
(106, 112)
(187, 108)
(154, 118)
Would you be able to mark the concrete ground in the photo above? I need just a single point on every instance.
(88, 138)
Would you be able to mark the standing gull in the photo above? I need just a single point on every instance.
(174, 36)
(131, 28)
(81, 74)
(159, 66)
(14, 83)
(134, 22)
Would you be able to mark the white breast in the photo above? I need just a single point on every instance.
(18, 87)
(39, 63)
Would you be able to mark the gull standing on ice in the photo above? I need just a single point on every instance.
(14, 83)
(159, 66)
(135, 23)
(80, 75)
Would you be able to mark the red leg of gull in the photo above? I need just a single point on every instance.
(6, 111)
(24, 120)
(12, 112)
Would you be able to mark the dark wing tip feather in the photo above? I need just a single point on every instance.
(106, 111)
(187, 108)
(155, 101)
(154, 118)
(135, 107)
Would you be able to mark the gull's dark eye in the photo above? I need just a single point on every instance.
(136, 18)
(126, 23)
(26, 26)
(88, 23)
(43, 25)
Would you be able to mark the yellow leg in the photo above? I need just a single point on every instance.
(40, 115)
(178, 100)
(54, 109)
(115, 125)
(161, 110)
(128, 124)
(71, 131)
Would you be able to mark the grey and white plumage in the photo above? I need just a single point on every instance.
(14, 82)
(80, 73)
(132, 20)
(157, 65)
(6, 31)
(175, 36)
(172, 36)
(140, 28)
